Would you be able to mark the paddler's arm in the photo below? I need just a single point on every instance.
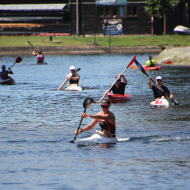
(77, 77)
(64, 83)
(109, 117)
(124, 79)
(34, 52)
(170, 96)
(88, 127)
(10, 71)
(149, 82)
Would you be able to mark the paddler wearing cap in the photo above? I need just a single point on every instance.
(158, 93)
(72, 77)
(119, 87)
(4, 74)
(105, 118)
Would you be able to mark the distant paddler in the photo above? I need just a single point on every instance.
(4, 74)
(151, 62)
(40, 57)
(73, 77)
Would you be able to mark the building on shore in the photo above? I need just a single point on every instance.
(82, 17)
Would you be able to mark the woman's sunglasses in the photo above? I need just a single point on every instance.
(104, 106)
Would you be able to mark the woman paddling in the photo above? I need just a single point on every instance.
(72, 77)
(105, 118)
(160, 90)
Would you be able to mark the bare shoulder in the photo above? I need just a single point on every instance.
(111, 114)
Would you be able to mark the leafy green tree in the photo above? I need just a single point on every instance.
(159, 8)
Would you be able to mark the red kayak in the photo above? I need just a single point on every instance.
(151, 68)
(115, 98)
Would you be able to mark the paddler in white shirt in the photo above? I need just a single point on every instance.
(72, 77)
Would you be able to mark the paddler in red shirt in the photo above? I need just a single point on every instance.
(39, 56)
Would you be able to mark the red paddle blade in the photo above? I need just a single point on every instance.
(132, 61)
(18, 60)
(168, 62)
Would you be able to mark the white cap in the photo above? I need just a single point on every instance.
(72, 68)
(158, 78)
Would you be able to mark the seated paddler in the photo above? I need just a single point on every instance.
(151, 62)
(105, 118)
(73, 77)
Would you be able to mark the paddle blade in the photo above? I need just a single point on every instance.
(30, 44)
(132, 61)
(133, 67)
(18, 60)
(73, 141)
(87, 102)
(140, 67)
(168, 62)
(78, 69)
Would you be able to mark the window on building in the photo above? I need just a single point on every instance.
(131, 11)
(111, 11)
(121, 11)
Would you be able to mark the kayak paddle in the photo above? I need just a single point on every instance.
(87, 102)
(18, 60)
(65, 81)
(131, 62)
(142, 69)
(31, 45)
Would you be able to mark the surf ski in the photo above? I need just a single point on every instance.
(73, 87)
(160, 102)
(100, 139)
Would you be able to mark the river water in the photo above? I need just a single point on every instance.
(37, 122)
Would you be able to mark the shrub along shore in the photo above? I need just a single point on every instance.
(169, 47)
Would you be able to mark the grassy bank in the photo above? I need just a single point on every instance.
(132, 40)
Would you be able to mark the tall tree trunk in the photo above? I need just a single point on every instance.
(164, 24)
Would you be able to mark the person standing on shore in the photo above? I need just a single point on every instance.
(151, 62)
(40, 57)
(4, 74)
(72, 77)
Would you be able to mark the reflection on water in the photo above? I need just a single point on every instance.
(38, 121)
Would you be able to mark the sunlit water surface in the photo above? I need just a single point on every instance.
(37, 122)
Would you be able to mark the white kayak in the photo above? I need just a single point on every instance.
(100, 139)
(160, 102)
(73, 87)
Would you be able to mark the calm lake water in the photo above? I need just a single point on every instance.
(37, 122)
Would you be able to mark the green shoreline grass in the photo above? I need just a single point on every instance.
(132, 40)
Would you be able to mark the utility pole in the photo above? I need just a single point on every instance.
(164, 24)
(77, 17)
(152, 25)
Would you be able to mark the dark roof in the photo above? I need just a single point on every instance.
(33, 7)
